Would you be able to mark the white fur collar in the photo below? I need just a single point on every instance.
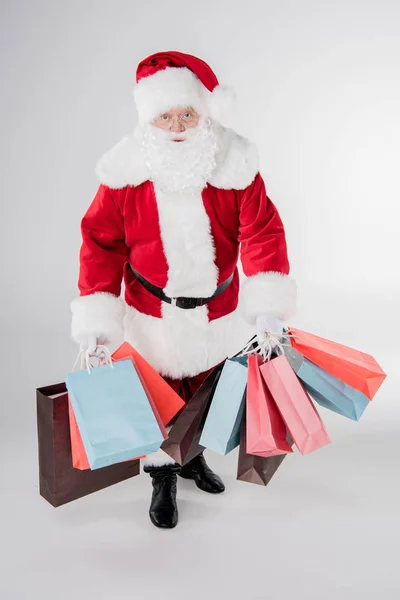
(237, 163)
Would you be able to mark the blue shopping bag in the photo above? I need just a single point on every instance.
(328, 391)
(221, 431)
(114, 416)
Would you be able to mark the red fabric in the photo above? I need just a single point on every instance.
(162, 60)
(187, 387)
(122, 225)
(261, 232)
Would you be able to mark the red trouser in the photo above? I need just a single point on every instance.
(187, 387)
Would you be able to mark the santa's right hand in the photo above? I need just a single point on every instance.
(89, 344)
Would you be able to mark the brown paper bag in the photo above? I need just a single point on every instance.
(183, 439)
(256, 469)
(59, 481)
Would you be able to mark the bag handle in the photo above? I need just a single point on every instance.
(271, 345)
(101, 352)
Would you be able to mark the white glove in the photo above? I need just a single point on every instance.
(89, 343)
(267, 323)
(93, 347)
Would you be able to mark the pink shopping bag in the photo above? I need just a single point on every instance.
(298, 412)
(266, 430)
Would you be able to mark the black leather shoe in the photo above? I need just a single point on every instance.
(163, 509)
(205, 479)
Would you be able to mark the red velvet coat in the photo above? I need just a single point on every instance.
(186, 244)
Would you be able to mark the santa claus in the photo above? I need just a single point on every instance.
(180, 200)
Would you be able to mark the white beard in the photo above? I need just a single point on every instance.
(179, 166)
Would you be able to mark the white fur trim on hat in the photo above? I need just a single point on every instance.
(269, 292)
(100, 315)
(221, 103)
(174, 86)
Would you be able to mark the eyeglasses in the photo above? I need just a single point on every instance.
(187, 118)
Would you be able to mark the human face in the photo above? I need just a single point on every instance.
(177, 120)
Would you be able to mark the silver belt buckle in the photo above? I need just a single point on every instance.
(173, 301)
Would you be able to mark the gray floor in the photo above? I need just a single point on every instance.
(326, 527)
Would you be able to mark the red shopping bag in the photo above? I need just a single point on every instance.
(298, 412)
(357, 369)
(266, 430)
(79, 457)
(165, 399)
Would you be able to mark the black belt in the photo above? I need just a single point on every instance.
(181, 302)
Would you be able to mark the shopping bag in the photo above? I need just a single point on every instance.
(59, 482)
(113, 414)
(184, 436)
(253, 468)
(298, 412)
(158, 393)
(221, 431)
(165, 399)
(79, 457)
(357, 369)
(266, 431)
(326, 389)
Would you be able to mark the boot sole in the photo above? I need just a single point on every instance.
(163, 526)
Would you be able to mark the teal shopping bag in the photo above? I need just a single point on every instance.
(328, 391)
(221, 431)
(114, 416)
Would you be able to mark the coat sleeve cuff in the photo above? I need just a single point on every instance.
(100, 314)
(269, 292)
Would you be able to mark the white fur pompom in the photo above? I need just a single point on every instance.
(221, 103)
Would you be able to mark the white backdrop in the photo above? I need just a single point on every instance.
(319, 92)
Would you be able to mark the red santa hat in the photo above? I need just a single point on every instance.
(168, 79)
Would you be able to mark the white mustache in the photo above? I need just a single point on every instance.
(174, 135)
(177, 167)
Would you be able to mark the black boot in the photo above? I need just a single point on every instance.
(163, 509)
(198, 470)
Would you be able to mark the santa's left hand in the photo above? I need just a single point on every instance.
(269, 325)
